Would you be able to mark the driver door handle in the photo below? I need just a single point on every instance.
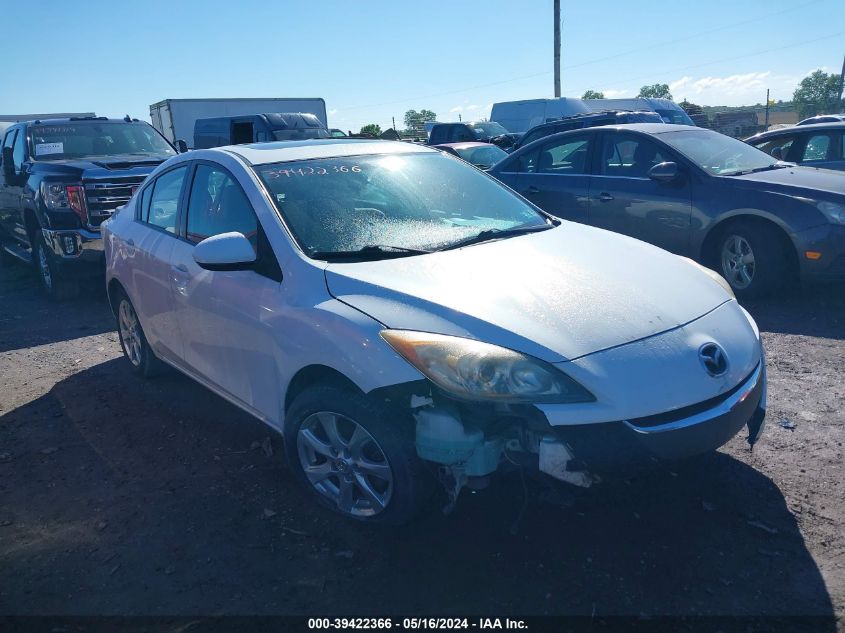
(605, 197)
(532, 190)
(181, 268)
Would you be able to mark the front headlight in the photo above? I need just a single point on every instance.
(713, 275)
(473, 370)
(833, 211)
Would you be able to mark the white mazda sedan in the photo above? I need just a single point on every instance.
(401, 318)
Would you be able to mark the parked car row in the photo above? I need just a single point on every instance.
(405, 320)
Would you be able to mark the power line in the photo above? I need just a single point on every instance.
(547, 72)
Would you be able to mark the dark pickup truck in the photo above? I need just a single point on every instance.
(60, 179)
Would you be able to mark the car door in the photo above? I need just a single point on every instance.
(14, 223)
(624, 199)
(9, 192)
(556, 176)
(149, 241)
(225, 317)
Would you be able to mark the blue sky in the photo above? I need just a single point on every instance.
(374, 60)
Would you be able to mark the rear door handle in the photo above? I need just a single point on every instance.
(532, 190)
(605, 197)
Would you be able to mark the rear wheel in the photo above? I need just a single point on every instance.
(55, 282)
(133, 341)
(355, 456)
(752, 258)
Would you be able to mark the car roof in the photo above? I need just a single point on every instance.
(464, 145)
(282, 151)
(86, 119)
(819, 127)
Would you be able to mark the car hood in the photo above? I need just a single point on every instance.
(790, 179)
(557, 295)
(103, 166)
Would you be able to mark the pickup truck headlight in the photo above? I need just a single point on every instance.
(833, 211)
(61, 195)
(472, 370)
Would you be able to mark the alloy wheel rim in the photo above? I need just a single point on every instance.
(345, 464)
(129, 332)
(44, 268)
(738, 264)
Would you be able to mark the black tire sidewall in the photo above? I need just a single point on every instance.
(770, 262)
(392, 430)
(62, 287)
(149, 362)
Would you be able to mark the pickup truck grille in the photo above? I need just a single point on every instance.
(103, 197)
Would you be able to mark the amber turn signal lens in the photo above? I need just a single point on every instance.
(812, 255)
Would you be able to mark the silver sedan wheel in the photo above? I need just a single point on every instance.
(738, 264)
(44, 268)
(130, 333)
(345, 464)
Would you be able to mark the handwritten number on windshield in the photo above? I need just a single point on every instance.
(312, 171)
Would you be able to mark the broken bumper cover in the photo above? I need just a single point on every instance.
(613, 446)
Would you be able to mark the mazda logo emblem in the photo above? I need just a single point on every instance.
(714, 359)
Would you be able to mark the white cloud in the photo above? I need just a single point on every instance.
(470, 108)
(610, 93)
(333, 111)
(456, 109)
(739, 89)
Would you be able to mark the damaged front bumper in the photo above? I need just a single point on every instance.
(700, 428)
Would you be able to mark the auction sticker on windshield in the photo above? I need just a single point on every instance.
(49, 148)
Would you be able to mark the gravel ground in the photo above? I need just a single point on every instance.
(121, 496)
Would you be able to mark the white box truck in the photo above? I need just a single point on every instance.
(175, 118)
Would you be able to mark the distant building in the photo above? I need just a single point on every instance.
(781, 117)
(736, 124)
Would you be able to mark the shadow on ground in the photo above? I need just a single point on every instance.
(124, 496)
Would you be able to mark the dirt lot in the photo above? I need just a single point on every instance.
(120, 496)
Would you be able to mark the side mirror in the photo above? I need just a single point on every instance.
(8, 164)
(664, 172)
(227, 251)
(777, 152)
(181, 146)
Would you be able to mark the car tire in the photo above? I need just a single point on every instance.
(752, 258)
(54, 281)
(359, 454)
(133, 341)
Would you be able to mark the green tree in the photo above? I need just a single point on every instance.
(593, 94)
(818, 93)
(655, 91)
(371, 128)
(415, 121)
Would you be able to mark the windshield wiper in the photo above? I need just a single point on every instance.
(778, 165)
(370, 251)
(495, 234)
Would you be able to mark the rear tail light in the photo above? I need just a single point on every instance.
(76, 201)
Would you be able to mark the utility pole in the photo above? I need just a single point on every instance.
(393, 118)
(557, 48)
(766, 126)
(459, 117)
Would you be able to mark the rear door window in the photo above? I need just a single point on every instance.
(164, 200)
(566, 156)
(817, 148)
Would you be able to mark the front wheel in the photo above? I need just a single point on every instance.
(355, 455)
(752, 259)
(55, 282)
